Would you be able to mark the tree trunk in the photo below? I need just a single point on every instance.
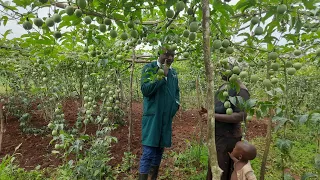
(215, 169)
(137, 84)
(130, 101)
(1, 126)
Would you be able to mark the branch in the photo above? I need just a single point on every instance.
(246, 14)
(64, 5)
(244, 46)
(145, 61)
(7, 7)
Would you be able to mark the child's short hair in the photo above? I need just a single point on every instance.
(249, 150)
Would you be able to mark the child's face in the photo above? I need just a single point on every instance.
(237, 151)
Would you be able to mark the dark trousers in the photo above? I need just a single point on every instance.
(151, 156)
(223, 146)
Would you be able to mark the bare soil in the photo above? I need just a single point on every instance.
(35, 149)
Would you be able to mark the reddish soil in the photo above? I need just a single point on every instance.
(35, 150)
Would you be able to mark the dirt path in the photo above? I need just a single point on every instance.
(35, 150)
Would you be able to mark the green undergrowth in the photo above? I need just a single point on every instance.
(191, 163)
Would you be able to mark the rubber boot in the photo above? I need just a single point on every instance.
(143, 176)
(154, 172)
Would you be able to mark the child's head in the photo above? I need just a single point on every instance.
(244, 151)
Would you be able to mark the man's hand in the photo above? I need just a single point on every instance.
(166, 68)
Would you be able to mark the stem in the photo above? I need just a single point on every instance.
(130, 101)
(286, 113)
(244, 128)
(282, 164)
(81, 86)
(268, 138)
(215, 169)
(200, 119)
(286, 90)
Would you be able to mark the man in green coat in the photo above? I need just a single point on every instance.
(159, 86)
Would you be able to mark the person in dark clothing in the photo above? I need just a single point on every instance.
(227, 127)
(160, 104)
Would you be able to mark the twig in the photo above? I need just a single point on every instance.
(7, 7)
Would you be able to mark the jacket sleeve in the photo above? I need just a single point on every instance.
(176, 104)
(149, 87)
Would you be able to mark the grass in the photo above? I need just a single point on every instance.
(193, 165)
(2, 89)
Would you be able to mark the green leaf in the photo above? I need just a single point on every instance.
(264, 109)
(308, 175)
(233, 100)
(268, 39)
(5, 34)
(228, 8)
(250, 103)
(298, 25)
(303, 118)
(137, 13)
(240, 101)
(221, 97)
(44, 42)
(126, 11)
(242, 4)
(271, 26)
(288, 176)
(23, 3)
(170, 3)
(162, 10)
(96, 172)
(120, 24)
(245, 4)
(278, 90)
(270, 93)
(118, 16)
(281, 121)
(315, 118)
(309, 4)
(317, 161)
(284, 145)
(4, 19)
(269, 14)
(291, 37)
(292, 23)
(219, 7)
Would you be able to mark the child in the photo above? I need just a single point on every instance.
(241, 155)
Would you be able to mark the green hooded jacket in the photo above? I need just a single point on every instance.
(160, 104)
